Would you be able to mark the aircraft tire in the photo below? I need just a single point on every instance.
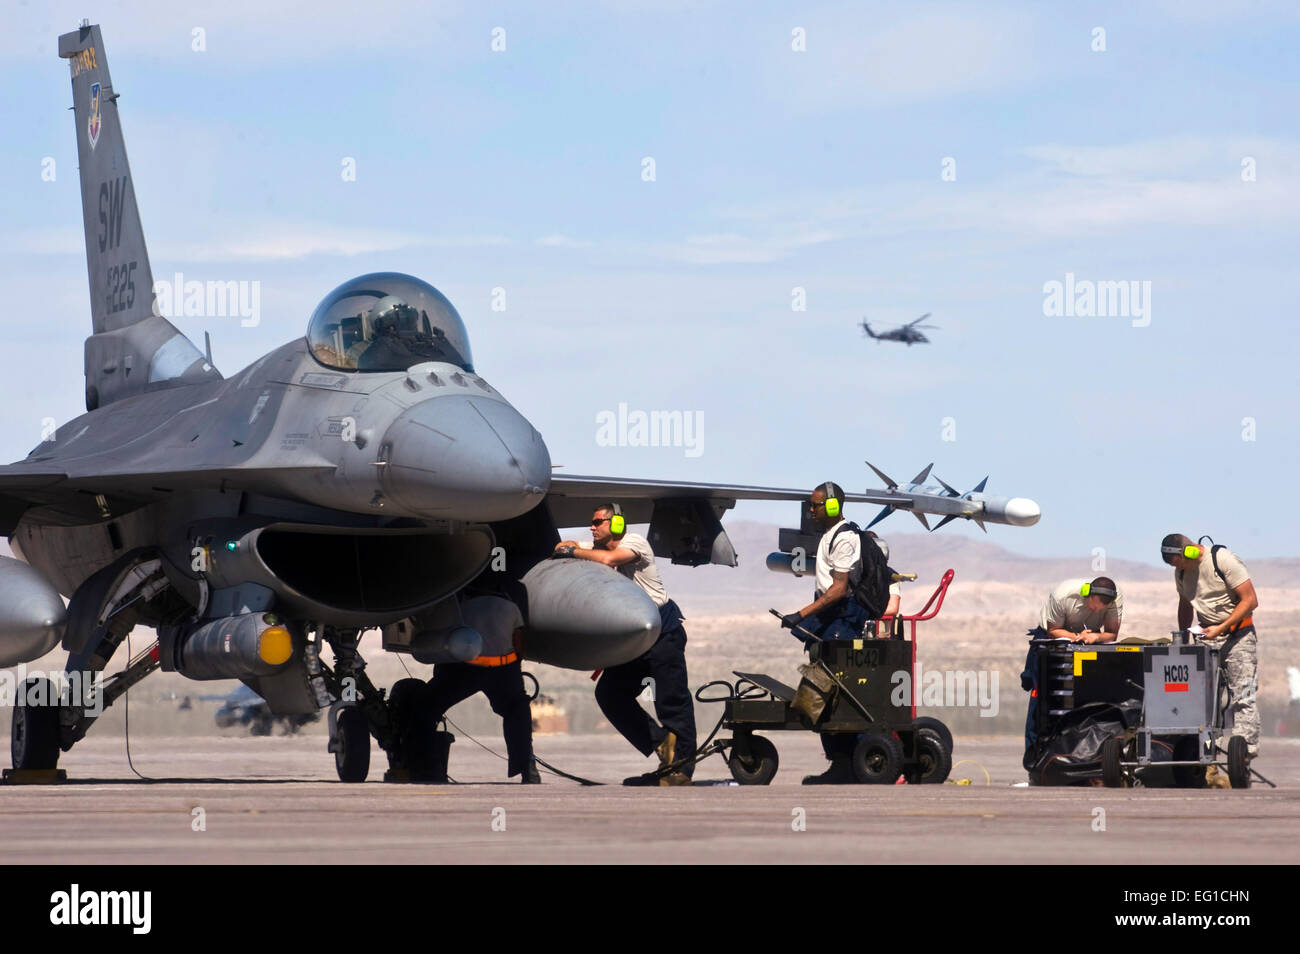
(34, 732)
(352, 756)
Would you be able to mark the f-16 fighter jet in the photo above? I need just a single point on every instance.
(353, 478)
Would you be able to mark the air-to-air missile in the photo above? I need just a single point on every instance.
(798, 547)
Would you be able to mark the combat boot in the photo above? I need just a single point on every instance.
(840, 773)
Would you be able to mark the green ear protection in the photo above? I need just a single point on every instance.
(617, 525)
(1089, 590)
(832, 502)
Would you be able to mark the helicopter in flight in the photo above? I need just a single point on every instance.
(909, 333)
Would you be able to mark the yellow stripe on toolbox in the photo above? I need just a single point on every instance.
(1080, 659)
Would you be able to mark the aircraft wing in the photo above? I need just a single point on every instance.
(80, 494)
(573, 497)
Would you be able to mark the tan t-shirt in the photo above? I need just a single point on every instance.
(642, 571)
(1212, 600)
(1067, 608)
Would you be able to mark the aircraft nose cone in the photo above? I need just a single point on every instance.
(1022, 512)
(465, 458)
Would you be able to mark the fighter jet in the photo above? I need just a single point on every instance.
(909, 333)
(354, 478)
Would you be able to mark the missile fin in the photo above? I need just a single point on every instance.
(920, 516)
(884, 512)
(891, 484)
(920, 478)
(979, 488)
(951, 492)
(947, 519)
(980, 524)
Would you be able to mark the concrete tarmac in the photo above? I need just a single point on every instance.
(277, 800)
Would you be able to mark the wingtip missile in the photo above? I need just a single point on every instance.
(972, 505)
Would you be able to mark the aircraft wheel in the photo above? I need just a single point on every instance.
(934, 760)
(352, 755)
(934, 725)
(1112, 753)
(1238, 763)
(878, 760)
(760, 767)
(34, 732)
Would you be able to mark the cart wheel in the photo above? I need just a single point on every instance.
(934, 760)
(937, 727)
(352, 756)
(34, 732)
(761, 766)
(1238, 763)
(1188, 749)
(1112, 753)
(878, 760)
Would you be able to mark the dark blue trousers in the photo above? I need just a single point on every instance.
(665, 663)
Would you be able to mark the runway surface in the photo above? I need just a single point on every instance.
(277, 800)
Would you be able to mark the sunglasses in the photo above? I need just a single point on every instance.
(597, 523)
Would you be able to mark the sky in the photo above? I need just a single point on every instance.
(653, 189)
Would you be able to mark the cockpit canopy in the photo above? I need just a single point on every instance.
(387, 321)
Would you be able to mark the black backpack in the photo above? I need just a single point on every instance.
(872, 588)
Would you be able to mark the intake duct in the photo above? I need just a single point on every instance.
(351, 577)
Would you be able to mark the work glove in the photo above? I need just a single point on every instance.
(562, 552)
(791, 620)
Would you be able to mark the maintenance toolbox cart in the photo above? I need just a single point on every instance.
(1181, 684)
(1177, 687)
(849, 687)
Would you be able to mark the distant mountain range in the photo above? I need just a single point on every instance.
(715, 589)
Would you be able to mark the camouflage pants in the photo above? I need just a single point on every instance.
(1237, 665)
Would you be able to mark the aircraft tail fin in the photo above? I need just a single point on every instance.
(132, 349)
(866, 329)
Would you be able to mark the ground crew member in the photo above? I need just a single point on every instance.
(834, 613)
(673, 737)
(496, 672)
(1077, 610)
(1215, 585)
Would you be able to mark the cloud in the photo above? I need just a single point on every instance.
(283, 242)
(734, 248)
(251, 31)
(1066, 191)
(556, 240)
(265, 242)
(903, 53)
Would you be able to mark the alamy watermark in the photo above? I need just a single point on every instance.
(1084, 298)
(948, 689)
(636, 428)
(79, 689)
(210, 299)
